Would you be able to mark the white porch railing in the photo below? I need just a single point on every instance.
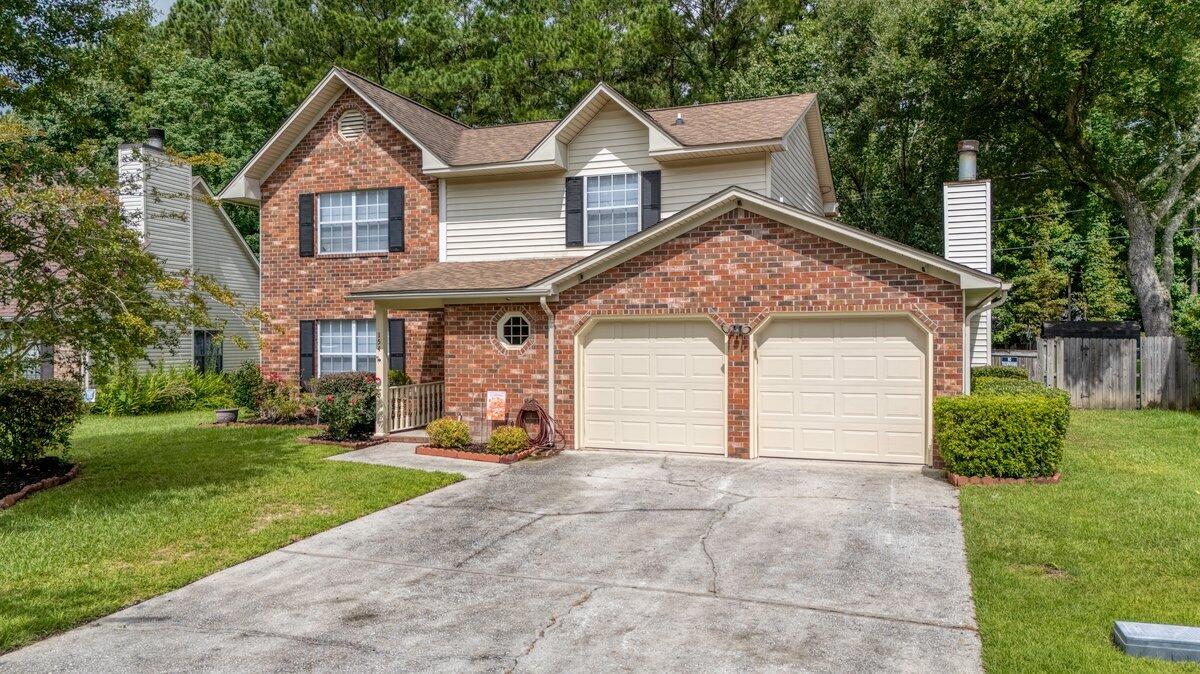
(416, 405)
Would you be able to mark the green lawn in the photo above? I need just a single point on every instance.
(1053, 566)
(160, 503)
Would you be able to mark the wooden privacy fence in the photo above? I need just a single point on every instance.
(1105, 373)
(415, 405)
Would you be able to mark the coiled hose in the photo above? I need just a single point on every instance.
(546, 439)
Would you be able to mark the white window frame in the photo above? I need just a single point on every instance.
(353, 222)
(637, 212)
(500, 330)
(354, 353)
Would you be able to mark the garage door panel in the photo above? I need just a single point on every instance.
(859, 392)
(667, 392)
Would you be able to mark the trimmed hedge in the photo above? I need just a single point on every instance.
(448, 433)
(1012, 430)
(998, 372)
(1002, 386)
(508, 440)
(36, 418)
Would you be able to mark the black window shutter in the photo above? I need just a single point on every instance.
(396, 344)
(396, 219)
(308, 342)
(651, 198)
(306, 225)
(574, 212)
(47, 370)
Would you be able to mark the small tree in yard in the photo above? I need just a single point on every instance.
(73, 274)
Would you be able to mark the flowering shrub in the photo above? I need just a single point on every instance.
(281, 401)
(346, 401)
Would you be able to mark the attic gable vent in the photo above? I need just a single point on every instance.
(351, 124)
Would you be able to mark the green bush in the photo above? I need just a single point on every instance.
(998, 372)
(346, 402)
(246, 386)
(283, 402)
(1002, 386)
(508, 440)
(1187, 325)
(448, 433)
(124, 391)
(398, 378)
(1002, 434)
(36, 419)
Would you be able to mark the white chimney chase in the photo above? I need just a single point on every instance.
(967, 225)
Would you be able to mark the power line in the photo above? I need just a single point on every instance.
(1041, 215)
(1049, 244)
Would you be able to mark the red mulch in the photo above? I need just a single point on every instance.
(960, 480)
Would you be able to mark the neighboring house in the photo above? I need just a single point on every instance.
(181, 222)
(665, 280)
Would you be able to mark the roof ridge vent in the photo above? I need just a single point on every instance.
(678, 119)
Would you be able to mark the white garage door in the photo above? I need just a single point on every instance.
(842, 388)
(654, 384)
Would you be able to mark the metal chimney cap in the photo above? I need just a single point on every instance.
(968, 146)
(678, 119)
(156, 137)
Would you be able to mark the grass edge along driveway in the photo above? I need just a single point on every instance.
(1052, 566)
(161, 502)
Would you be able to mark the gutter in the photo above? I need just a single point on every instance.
(989, 302)
(549, 357)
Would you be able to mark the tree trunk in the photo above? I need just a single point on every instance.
(1153, 297)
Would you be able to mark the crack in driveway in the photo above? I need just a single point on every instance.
(555, 620)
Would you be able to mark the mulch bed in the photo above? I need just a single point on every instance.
(352, 444)
(960, 480)
(260, 424)
(474, 452)
(49, 471)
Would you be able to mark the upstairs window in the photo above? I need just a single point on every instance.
(353, 222)
(345, 346)
(610, 207)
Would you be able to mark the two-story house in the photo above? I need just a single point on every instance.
(667, 280)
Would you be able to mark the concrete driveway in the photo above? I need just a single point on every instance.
(587, 561)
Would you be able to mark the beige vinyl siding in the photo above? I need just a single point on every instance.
(683, 186)
(219, 254)
(130, 190)
(794, 173)
(168, 233)
(513, 217)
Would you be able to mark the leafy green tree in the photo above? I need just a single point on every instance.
(73, 273)
(1034, 251)
(1104, 293)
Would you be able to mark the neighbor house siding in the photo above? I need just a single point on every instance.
(514, 217)
(739, 268)
(220, 254)
(167, 231)
(794, 174)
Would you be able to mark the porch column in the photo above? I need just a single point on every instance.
(382, 423)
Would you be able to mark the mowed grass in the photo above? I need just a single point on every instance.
(1119, 539)
(160, 502)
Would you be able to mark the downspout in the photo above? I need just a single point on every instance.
(549, 355)
(989, 302)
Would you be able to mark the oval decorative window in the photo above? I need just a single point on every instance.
(513, 330)
(351, 124)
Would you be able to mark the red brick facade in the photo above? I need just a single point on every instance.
(298, 288)
(737, 268)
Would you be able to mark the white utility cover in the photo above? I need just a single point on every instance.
(655, 385)
(842, 388)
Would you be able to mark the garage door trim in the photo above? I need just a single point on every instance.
(579, 370)
(757, 331)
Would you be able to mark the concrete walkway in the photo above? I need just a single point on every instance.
(588, 561)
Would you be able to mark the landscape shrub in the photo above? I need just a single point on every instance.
(283, 402)
(1002, 386)
(36, 419)
(448, 433)
(246, 386)
(1002, 434)
(123, 391)
(998, 372)
(346, 402)
(398, 378)
(1187, 325)
(508, 440)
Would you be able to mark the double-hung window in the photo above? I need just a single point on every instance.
(610, 208)
(345, 346)
(353, 222)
